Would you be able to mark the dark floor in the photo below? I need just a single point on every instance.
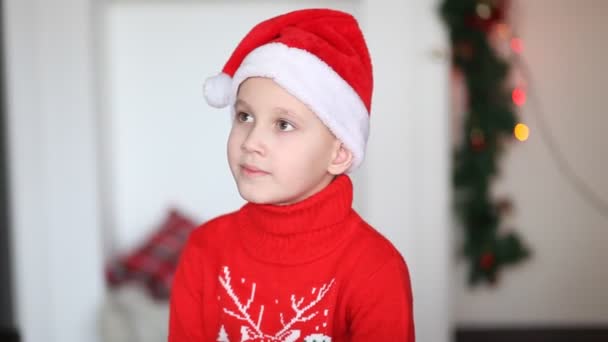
(574, 334)
(8, 335)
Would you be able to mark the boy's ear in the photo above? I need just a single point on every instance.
(342, 159)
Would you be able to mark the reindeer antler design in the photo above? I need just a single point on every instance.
(243, 309)
(301, 311)
(253, 330)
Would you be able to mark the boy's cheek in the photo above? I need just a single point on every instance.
(232, 152)
(234, 137)
(238, 132)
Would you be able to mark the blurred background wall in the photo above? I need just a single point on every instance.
(52, 149)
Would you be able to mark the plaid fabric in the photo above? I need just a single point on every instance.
(153, 264)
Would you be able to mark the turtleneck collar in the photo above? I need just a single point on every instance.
(298, 232)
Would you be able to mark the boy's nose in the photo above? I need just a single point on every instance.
(254, 141)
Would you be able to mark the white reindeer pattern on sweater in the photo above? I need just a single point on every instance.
(251, 329)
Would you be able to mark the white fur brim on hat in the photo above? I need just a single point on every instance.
(310, 80)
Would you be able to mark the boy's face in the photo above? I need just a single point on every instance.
(279, 151)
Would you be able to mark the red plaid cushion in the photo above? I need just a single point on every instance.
(153, 264)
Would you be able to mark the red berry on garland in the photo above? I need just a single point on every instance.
(504, 206)
(478, 140)
(487, 260)
(492, 279)
(463, 50)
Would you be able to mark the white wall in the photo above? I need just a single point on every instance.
(52, 152)
(566, 280)
(405, 176)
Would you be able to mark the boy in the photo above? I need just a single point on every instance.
(296, 262)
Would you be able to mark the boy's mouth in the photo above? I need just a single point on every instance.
(252, 171)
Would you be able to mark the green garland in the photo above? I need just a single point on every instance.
(489, 120)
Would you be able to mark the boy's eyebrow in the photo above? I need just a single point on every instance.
(277, 110)
(242, 103)
(283, 111)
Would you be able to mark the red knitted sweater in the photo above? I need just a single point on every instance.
(309, 271)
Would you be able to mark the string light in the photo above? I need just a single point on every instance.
(519, 96)
(517, 45)
(503, 30)
(586, 191)
(483, 11)
(521, 132)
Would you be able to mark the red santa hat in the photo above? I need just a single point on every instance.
(317, 55)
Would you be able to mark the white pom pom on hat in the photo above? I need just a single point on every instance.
(217, 90)
(317, 55)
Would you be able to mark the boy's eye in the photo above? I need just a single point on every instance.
(244, 117)
(285, 126)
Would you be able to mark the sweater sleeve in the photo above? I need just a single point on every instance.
(382, 307)
(185, 315)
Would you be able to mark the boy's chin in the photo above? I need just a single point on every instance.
(250, 194)
(258, 197)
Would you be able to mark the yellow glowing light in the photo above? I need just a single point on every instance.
(503, 30)
(483, 11)
(521, 132)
